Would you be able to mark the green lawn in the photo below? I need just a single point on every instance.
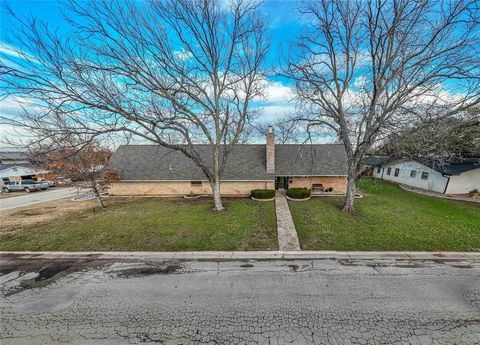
(155, 225)
(388, 218)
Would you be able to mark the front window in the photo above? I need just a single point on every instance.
(378, 170)
(413, 173)
(389, 171)
(397, 171)
(424, 175)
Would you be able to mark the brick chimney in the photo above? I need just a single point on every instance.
(270, 150)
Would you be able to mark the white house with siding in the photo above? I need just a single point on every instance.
(453, 178)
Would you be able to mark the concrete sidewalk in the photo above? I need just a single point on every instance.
(251, 255)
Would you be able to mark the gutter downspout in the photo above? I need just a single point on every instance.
(446, 186)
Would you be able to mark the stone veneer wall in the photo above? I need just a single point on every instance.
(338, 183)
(180, 188)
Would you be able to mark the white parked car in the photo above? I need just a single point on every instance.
(43, 184)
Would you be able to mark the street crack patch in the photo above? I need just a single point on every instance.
(168, 268)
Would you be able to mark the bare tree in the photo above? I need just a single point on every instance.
(286, 131)
(80, 161)
(175, 73)
(366, 68)
(448, 140)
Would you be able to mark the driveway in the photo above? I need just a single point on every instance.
(32, 198)
(93, 301)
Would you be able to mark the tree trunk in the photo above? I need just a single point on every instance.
(348, 205)
(216, 196)
(217, 199)
(97, 194)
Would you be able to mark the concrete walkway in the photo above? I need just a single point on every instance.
(287, 235)
(457, 197)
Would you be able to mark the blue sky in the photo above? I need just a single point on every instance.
(283, 22)
(282, 17)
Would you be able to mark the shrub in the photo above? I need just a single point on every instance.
(298, 193)
(262, 193)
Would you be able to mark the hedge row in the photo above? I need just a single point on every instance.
(298, 193)
(262, 193)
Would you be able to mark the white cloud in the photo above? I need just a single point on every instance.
(277, 92)
(272, 113)
(183, 54)
(360, 81)
(10, 63)
(12, 106)
(276, 103)
(12, 51)
(9, 50)
(276, 111)
(14, 135)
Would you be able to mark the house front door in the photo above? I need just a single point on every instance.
(282, 182)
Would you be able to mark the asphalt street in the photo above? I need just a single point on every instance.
(27, 199)
(342, 301)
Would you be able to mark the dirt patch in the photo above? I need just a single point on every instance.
(4, 195)
(30, 212)
(17, 219)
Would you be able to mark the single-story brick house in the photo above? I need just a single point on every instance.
(156, 170)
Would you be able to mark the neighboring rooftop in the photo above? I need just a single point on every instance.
(376, 161)
(246, 162)
(457, 167)
(13, 156)
(451, 168)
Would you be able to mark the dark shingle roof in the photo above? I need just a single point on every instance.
(452, 168)
(246, 162)
(304, 160)
(150, 162)
(376, 161)
(458, 167)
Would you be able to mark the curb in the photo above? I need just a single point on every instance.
(262, 200)
(249, 255)
(194, 197)
(293, 199)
